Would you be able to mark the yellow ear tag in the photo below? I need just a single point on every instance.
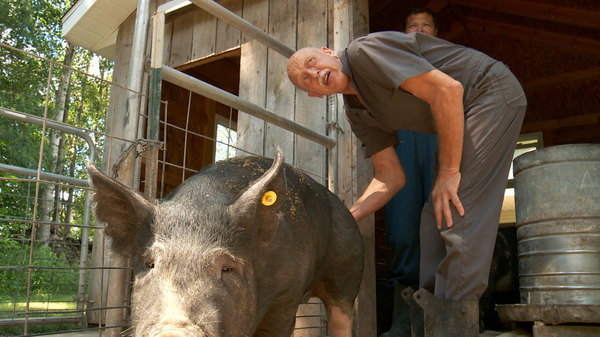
(269, 198)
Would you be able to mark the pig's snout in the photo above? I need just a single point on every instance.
(172, 333)
(179, 332)
(175, 333)
(182, 328)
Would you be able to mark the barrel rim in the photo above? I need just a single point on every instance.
(554, 154)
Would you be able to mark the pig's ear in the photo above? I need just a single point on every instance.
(262, 201)
(126, 213)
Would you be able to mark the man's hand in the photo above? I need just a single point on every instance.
(445, 98)
(445, 191)
(389, 178)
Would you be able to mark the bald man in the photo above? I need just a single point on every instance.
(395, 81)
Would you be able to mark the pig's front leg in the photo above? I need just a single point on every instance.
(340, 324)
(279, 320)
(340, 309)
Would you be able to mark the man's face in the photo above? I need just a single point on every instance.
(317, 71)
(421, 22)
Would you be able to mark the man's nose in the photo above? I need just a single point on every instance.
(312, 72)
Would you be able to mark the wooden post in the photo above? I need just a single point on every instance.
(116, 123)
(118, 278)
(253, 78)
(349, 20)
(122, 123)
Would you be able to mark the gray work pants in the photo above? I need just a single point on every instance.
(455, 262)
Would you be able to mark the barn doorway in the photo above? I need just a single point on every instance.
(196, 130)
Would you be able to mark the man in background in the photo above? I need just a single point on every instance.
(417, 153)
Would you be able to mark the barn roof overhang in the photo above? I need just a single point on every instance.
(93, 24)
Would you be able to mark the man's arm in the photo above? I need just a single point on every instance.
(445, 97)
(388, 179)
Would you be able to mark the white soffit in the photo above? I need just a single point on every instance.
(93, 24)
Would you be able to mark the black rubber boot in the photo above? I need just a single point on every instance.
(446, 318)
(401, 315)
(416, 313)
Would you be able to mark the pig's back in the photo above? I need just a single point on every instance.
(314, 222)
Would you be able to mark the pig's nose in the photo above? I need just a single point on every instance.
(177, 327)
(171, 334)
(176, 332)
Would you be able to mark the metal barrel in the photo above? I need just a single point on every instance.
(557, 200)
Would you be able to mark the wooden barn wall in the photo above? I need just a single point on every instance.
(191, 34)
(194, 34)
(349, 20)
(106, 286)
(263, 80)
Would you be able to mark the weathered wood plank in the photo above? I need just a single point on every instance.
(167, 41)
(227, 36)
(182, 38)
(352, 182)
(280, 91)
(205, 34)
(310, 111)
(253, 79)
(120, 125)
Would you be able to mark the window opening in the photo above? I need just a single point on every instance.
(226, 137)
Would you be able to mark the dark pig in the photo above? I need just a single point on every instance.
(234, 250)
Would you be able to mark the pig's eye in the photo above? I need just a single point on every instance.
(226, 269)
(148, 264)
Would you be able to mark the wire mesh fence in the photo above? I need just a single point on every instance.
(52, 119)
(54, 259)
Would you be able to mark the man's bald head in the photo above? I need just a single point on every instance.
(317, 71)
(294, 65)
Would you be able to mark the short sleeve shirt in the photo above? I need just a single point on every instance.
(379, 62)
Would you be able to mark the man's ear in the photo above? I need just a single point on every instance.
(310, 94)
(328, 51)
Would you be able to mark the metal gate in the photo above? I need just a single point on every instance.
(56, 272)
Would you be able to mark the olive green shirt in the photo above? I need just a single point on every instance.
(379, 62)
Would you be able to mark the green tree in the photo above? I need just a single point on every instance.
(32, 82)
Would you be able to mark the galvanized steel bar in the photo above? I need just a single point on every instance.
(45, 175)
(23, 117)
(60, 178)
(222, 96)
(246, 27)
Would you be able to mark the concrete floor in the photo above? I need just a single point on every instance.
(515, 333)
(79, 334)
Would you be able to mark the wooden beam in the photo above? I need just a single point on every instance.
(526, 34)
(231, 53)
(535, 10)
(378, 6)
(565, 122)
(455, 30)
(437, 5)
(562, 78)
(574, 135)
